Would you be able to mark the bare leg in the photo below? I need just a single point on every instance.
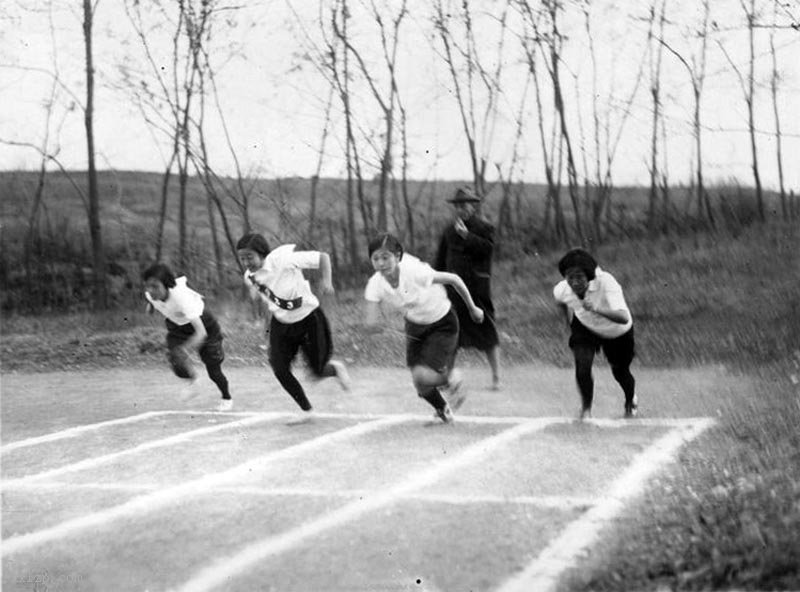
(427, 382)
(493, 355)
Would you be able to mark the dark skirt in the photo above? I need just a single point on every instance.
(619, 351)
(211, 351)
(433, 345)
(481, 336)
(311, 334)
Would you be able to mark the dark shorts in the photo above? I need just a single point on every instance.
(619, 351)
(211, 351)
(433, 345)
(312, 335)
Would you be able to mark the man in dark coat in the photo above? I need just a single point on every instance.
(466, 249)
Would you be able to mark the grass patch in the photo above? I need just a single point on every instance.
(726, 516)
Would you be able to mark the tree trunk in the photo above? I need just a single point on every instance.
(572, 174)
(778, 137)
(98, 252)
(751, 16)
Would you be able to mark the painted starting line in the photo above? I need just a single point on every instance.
(480, 419)
(541, 575)
(248, 419)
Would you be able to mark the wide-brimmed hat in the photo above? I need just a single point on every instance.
(464, 195)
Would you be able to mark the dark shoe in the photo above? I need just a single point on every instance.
(631, 409)
(445, 414)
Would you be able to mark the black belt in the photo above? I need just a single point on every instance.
(292, 304)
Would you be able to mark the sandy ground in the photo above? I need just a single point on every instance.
(405, 505)
(40, 402)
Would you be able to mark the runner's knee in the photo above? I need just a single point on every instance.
(180, 362)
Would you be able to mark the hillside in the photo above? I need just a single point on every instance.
(60, 261)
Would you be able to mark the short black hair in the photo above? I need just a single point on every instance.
(385, 241)
(162, 273)
(579, 258)
(254, 242)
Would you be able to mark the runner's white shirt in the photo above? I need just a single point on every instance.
(182, 304)
(288, 296)
(421, 301)
(603, 291)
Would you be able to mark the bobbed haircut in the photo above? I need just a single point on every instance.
(385, 241)
(578, 258)
(162, 273)
(254, 242)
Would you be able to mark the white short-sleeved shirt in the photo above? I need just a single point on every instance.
(182, 304)
(289, 296)
(421, 301)
(604, 291)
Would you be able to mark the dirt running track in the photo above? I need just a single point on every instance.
(112, 482)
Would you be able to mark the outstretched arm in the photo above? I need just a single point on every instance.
(326, 282)
(451, 279)
(372, 317)
(260, 307)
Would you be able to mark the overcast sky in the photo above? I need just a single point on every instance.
(275, 110)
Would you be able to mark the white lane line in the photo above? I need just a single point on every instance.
(72, 432)
(479, 419)
(222, 570)
(147, 503)
(485, 419)
(543, 501)
(543, 573)
(168, 441)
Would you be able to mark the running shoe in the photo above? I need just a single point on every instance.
(445, 414)
(342, 375)
(304, 417)
(453, 393)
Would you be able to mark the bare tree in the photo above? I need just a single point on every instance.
(331, 58)
(605, 153)
(178, 88)
(532, 25)
(550, 42)
(355, 179)
(748, 90)
(407, 202)
(389, 45)
(476, 86)
(774, 78)
(239, 192)
(506, 222)
(95, 229)
(750, 14)
(655, 54)
(48, 150)
(312, 210)
(530, 36)
(697, 75)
